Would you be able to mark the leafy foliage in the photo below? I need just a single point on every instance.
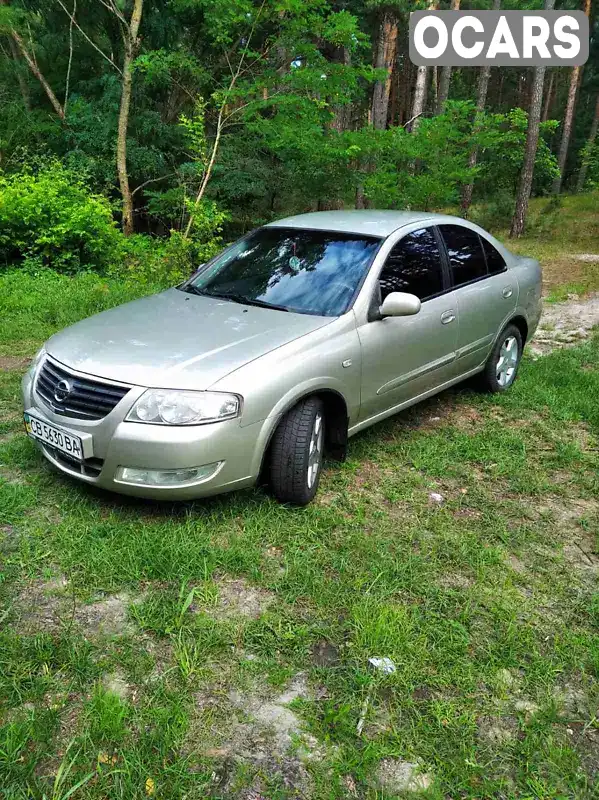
(503, 139)
(282, 89)
(424, 169)
(150, 262)
(50, 219)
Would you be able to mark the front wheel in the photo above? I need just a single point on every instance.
(296, 453)
(502, 365)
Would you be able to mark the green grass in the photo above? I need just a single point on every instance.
(139, 640)
(35, 305)
(557, 234)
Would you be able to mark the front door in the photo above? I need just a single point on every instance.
(404, 357)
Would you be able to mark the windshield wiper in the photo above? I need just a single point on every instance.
(238, 298)
(194, 290)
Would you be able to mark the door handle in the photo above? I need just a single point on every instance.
(507, 292)
(447, 317)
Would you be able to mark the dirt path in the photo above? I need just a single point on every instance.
(565, 324)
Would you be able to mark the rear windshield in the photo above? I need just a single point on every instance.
(310, 272)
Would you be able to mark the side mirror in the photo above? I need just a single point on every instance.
(400, 304)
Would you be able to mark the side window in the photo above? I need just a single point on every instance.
(495, 261)
(466, 256)
(414, 266)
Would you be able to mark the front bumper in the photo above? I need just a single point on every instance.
(117, 443)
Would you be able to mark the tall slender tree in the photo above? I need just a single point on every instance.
(569, 117)
(445, 81)
(548, 97)
(532, 143)
(385, 57)
(419, 104)
(129, 31)
(130, 34)
(584, 168)
(481, 102)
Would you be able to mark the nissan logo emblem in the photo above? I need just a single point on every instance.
(62, 390)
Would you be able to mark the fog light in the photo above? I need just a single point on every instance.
(166, 477)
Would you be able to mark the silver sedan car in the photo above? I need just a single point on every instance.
(273, 354)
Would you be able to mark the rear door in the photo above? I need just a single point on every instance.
(403, 357)
(484, 292)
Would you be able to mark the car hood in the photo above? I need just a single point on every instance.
(176, 340)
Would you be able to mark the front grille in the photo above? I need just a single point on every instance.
(87, 398)
(91, 467)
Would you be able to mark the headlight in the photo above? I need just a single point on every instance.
(37, 360)
(166, 407)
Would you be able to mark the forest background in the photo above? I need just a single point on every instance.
(139, 136)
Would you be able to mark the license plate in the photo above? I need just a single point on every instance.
(53, 436)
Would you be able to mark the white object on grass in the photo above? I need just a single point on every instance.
(384, 665)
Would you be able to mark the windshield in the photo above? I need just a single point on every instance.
(310, 272)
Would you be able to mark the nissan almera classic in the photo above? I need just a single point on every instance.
(273, 354)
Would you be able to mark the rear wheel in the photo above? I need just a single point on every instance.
(296, 453)
(502, 365)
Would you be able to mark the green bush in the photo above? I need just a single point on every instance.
(50, 219)
(147, 261)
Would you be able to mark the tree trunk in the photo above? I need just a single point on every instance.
(341, 120)
(406, 91)
(569, 118)
(360, 201)
(481, 102)
(582, 175)
(521, 91)
(545, 114)
(532, 143)
(419, 97)
(419, 105)
(23, 87)
(435, 86)
(385, 57)
(32, 64)
(131, 43)
(445, 81)
(567, 129)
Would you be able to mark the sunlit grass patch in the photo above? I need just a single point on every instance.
(166, 642)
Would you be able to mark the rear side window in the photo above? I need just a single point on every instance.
(495, 261)
(414, 266)
(466, 256)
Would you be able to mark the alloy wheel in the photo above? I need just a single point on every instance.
(508, 362)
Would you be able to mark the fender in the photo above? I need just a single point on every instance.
(524, 313)
(291, 398)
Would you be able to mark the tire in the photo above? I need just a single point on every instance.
(499, 374)
(296, 453)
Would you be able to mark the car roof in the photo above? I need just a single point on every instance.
(369, 222)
